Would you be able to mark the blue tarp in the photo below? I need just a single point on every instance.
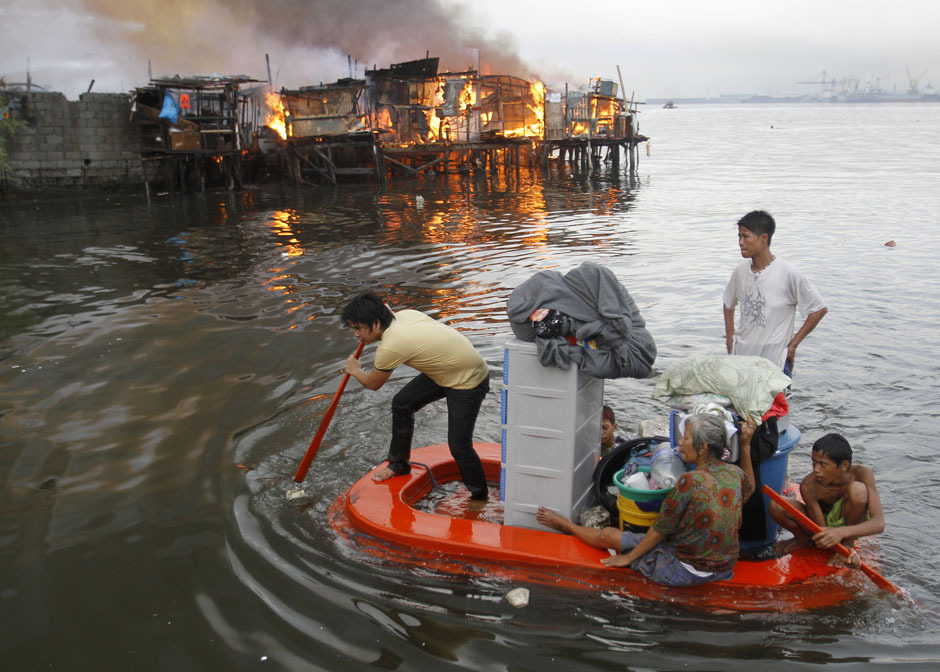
(170, 110)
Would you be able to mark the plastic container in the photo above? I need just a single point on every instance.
(551, 436)
(637, 495)
(632, 514)
(773, 472)
(637, 481)
(666, 466)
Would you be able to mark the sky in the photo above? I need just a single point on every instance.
(665, 49)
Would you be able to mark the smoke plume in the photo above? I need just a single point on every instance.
(308, 40)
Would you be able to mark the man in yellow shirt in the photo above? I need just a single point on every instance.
(450, 368)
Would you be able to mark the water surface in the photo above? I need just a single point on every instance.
(163, 369)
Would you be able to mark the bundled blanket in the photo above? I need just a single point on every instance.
(750, 382)
(596, 311)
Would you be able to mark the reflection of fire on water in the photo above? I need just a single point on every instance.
(276, 119)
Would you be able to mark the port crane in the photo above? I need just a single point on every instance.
(913, 83)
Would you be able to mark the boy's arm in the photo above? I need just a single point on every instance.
(877, 520)
(729, 329)
(808, 325)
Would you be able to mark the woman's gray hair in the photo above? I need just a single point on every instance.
(710, 431)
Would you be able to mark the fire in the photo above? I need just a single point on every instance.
(434, 133)
(468, 97)
(383, 119)
(535, 113)
(276, 119)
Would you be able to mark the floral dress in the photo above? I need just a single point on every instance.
(701, 515)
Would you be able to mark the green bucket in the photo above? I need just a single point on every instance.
(639, 495)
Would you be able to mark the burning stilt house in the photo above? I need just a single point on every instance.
(581, 125)
(409, 119)
(197, 130)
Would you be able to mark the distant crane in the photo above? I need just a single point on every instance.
(913, 83)
(827, 84)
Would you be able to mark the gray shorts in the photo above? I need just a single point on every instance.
(662, 566)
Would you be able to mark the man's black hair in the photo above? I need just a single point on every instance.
(365, 310)
(835, 447)
(760, 222)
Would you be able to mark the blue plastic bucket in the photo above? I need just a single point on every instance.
(773, 472)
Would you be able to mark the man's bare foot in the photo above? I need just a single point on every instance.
(549, 518)
(787, 546)
(384, 474)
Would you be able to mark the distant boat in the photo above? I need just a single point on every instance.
(669, 106)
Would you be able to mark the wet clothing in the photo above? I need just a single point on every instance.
(701, 515)
(662, 566)
(835, 518)
(450, 369)
(768, 300)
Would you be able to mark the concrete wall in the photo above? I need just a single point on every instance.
(88, 143)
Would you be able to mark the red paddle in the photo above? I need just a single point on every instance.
(810, 526)
(318, 437)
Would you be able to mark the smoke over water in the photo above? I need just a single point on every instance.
(308, 40)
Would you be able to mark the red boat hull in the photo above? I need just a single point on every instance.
(797, 582)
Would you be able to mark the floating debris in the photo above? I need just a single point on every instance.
(296, 493)
(518, 597)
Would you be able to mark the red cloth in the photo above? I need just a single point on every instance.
(777, 409)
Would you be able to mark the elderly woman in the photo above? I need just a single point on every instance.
(695, 538)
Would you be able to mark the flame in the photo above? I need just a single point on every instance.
(276, 119)
(579, 128)
(535, 110)
(434, 132)
(383, 119)
(468, 97)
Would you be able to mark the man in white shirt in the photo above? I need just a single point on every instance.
(768, 290)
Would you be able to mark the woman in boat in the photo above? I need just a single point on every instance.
(695, 538)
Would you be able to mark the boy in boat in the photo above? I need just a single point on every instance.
(450, 368)
(768, 290)
(609, 426)
(839, 496)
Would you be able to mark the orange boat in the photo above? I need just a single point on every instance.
(449, 539)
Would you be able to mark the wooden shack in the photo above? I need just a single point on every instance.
(582, 125)
(195, 132)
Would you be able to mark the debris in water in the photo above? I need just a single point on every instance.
(890, 243)
(518, 597)
(295, 493)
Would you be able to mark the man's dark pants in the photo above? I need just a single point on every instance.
(463, 406)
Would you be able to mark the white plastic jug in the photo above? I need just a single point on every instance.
(666, 467)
